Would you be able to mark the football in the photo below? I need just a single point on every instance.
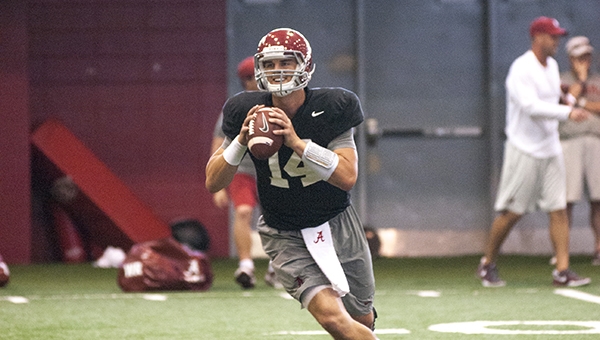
(263, 143)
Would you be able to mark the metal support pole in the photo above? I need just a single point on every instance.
(360, 91)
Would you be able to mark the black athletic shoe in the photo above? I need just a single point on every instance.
(568, 278)
(245, 278)
(488, 274)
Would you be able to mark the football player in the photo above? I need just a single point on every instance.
(308, 226)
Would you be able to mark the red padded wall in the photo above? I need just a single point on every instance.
(15, 211)
(140, 83)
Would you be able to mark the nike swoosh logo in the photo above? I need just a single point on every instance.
(265, 124)
(315, 114)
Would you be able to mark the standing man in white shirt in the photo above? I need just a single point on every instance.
(533, 174)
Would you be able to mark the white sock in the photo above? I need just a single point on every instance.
(247, 264)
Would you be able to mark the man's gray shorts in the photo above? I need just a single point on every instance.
(528, 183)
(299, 273)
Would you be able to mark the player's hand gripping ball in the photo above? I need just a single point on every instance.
(262, 142)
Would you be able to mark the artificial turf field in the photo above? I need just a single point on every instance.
(60, 301)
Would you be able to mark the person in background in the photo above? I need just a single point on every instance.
(581, 140)
(308, 225)
(241, 193)
(533, 174)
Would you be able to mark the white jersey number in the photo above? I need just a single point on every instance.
(293, 168)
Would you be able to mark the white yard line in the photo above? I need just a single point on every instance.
(481, 327)
(429, 293)
(154, 297)
(149, 296)
(575, 294)
(15, 299)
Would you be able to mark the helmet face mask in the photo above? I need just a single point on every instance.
(279, 44)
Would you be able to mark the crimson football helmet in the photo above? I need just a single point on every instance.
(283, 43)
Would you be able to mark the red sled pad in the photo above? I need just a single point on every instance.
(103, 205)
(164, 265)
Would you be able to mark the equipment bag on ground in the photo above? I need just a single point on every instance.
(164, 265)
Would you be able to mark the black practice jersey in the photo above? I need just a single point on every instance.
(290, 194)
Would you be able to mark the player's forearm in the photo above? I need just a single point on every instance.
(223, 165)
(339, 167)
(219, 173)
(346, 172)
